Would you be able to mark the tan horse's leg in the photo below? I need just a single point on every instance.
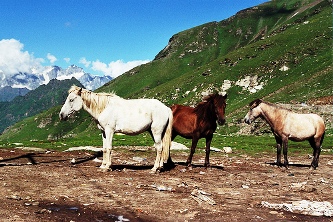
(285, 151)
(278, 150)
(316, 145)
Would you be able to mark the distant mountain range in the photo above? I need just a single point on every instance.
(8, 93)
(21, 83)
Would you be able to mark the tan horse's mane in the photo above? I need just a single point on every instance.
(257, 102)
(96, 102)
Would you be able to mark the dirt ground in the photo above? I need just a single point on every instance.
(46, 186)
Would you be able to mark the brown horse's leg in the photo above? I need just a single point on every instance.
(285, 151)
(278, 150)
(193, 146)
(208, 142)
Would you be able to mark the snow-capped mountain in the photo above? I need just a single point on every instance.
(39, 77)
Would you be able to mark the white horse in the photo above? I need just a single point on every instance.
(287, 125)
(131, 117)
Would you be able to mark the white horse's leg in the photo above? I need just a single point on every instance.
(108, 144)
(159, 160)
(104, 150)
(158, 146)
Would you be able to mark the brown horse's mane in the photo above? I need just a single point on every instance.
(207, 105)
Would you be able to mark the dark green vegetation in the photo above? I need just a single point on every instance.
(253, 45)
(35, 101)
(7, 93)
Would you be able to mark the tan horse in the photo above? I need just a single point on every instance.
(286, 125)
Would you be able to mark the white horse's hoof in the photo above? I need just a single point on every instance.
(154, 170)
(104, 168)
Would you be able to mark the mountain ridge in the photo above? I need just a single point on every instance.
(266, 51)
(43, 76)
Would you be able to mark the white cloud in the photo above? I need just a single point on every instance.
(84, 61)
(52, 58)
(116, 68)
(14, 60)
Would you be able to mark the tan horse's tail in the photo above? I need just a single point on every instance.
(166, 141)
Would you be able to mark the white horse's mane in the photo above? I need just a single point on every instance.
(95, 102)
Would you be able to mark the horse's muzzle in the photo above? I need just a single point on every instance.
(63, 117)
(221, 121)
(247, 120)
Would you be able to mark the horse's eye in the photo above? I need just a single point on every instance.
(71, 100)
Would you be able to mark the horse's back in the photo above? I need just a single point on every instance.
(152, 108)
(184, 120)
(180, 111)
(176, 108)
(134, 116)
(319, 123)
(304, 126)
(315, 119)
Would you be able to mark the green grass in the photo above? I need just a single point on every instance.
(249, 145)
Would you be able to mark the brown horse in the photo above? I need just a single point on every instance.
(199, 122)
(286, 124)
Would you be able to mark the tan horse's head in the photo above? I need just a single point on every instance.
(254, 111)
(73, 103)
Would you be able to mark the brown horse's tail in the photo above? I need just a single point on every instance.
(166, 141)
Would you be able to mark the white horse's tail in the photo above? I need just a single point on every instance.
(166, 141)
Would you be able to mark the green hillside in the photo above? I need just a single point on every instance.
(243, 55)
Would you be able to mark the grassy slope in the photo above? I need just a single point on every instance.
(254, 42)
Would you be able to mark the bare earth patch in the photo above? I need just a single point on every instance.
(46, 186)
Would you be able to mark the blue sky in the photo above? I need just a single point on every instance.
(101, 36)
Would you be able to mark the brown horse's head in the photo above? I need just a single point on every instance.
(254, 112)
(220, 105)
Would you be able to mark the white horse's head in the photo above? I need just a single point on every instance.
(73, 103)
(254, 112)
